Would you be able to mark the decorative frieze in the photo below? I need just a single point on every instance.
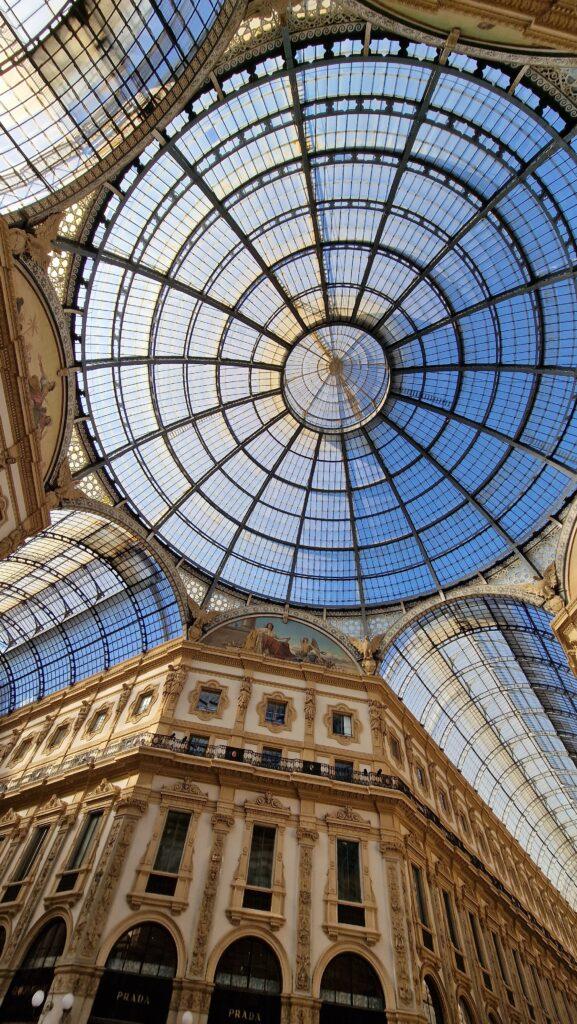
(307, 837)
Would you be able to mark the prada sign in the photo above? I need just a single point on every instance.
(134, 998)
(229, 1006)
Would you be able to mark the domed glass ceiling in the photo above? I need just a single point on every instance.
(79, 81)
(328, 334)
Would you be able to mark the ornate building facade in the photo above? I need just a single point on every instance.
(215, 831)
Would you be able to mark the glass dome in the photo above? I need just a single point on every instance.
(328, 328)
(81, 82)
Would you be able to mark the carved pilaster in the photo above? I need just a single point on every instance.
(221, 825)
(310, 711)
(102, 888)
(399, 917)
(172, 687)
(306, 838)
(378, 725)
(243, 700)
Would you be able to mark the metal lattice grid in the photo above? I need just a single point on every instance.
(418, 202)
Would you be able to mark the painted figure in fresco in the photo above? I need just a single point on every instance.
(263, 640)
(38, 389)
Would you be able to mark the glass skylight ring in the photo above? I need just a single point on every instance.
(253, 288)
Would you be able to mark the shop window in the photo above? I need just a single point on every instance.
(349, 889)
(208, 701)
(164, 876)
(258, 891)
(344, 771)
(342, 724)
(26, 863)
(275, 712)
(136, 984)
(453, 932)
(350, 981)
(271, 757)
(35, 973)
(432, 1003)
(80, 852)
(480, 950)
(421, 907)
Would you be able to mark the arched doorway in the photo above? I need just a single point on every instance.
(35, 972)
(247, 984)
(136, 986)
(351, 992)
(432, 1003)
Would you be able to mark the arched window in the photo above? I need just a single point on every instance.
(350, 990)
(2, 939)
(249, 964)
(247, 984)
(147, 949)
(432, 1003)
(35, 972)
(136, 984)
(465, 1014)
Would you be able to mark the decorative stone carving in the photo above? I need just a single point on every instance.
(123, 699)
(307, 838)
(369, 650)
(269, 800)
(378, 723)
(43, 733)
(82, 715)
(398, 924)
(221, 825)
(200, 619)
(310, 708)
(172, 686)
(347, 814)
(547, 589)
(243, 699)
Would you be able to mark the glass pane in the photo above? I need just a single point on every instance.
(169, 853)
(261, 856)
(349, 871)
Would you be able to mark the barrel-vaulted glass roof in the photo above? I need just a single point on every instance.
(491, 685)
(78, 81)
(79, 597)
(328, 328)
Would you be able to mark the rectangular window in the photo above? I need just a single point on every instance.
(143, 703)
(453, 933)
(257, 895)
(26, 862)
(342, 724)
(164, 876)
(395, 748)
(480, 950)
(97, 722)
(208, 700)
(275, 712)
(420, 896)
(197, 745)
(349, 871)
(523, 983)
(271, 757)
(422, 911)
(57, 736)
(344, 771)
(69, 877)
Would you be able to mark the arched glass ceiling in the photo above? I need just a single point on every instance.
(79, 597)
(424, 207)
(491, 685)
(77, 80)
